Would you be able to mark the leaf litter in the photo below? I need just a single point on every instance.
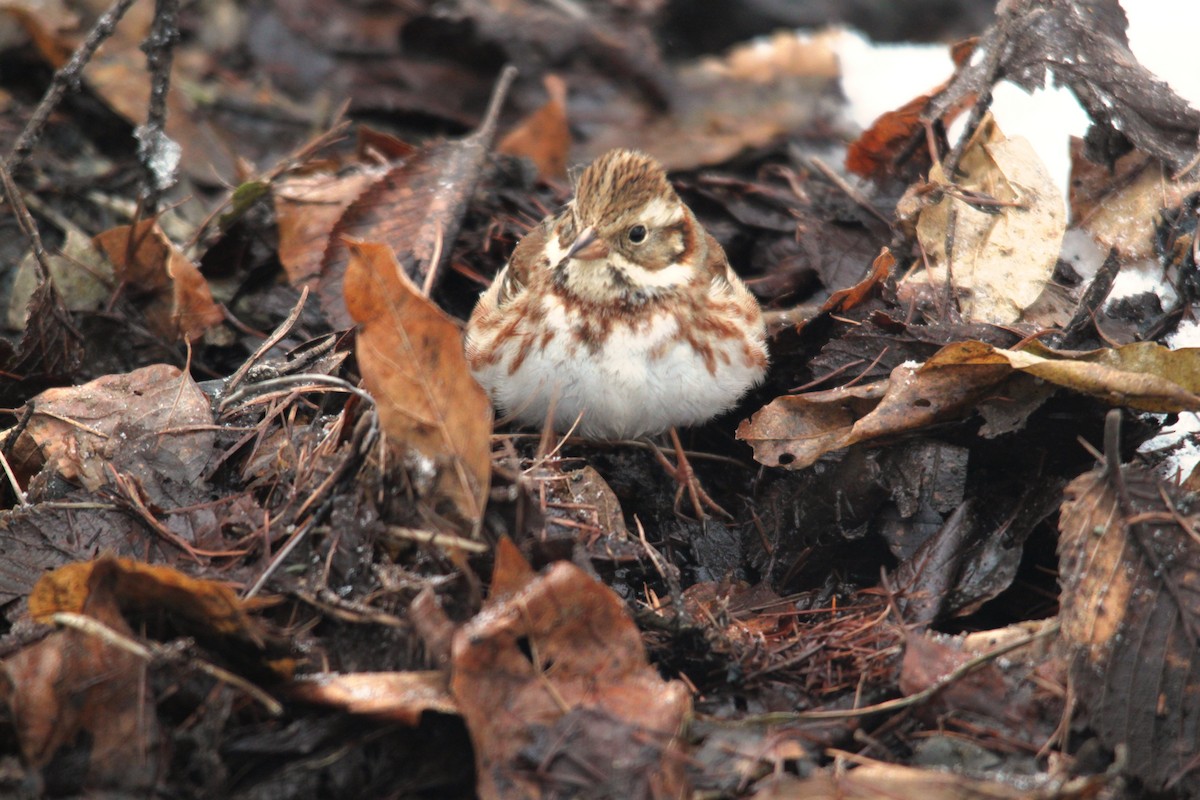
(256, 545)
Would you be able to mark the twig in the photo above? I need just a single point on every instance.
(446, 540)
(960, 672)
(854, 194)
(25, 223)
(67, 77)
(155, 652)
(275, 338)
(158, 154)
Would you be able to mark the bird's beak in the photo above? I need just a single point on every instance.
(587, 247)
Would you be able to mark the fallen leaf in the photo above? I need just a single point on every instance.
(307, 207)
(895, 143)
(174, 295)
(1129, 568)
(1002, 255)
(416, 208)
(795, 430)
(1119, 206)
(544, 137)
(553, 683)
(73, 682)
(1141, 375)
(79, 430)
(136, 586)
(396, 696)
(81, 276)
(412, 363)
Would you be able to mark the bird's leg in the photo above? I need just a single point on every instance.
(681, 471)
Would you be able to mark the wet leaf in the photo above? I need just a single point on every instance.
(136, 586)
(410, 355)
(554, 674)
(1000, 249)
(72, 682)
(79, 430)
(307, 207)
(172, 293)
(1129, 561)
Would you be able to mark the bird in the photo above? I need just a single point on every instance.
(620, 316)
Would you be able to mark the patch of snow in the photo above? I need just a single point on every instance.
(1186, 335)
(1184, 438)
(1080, 250)
(1141, 277)
(878, 78)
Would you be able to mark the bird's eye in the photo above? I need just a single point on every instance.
(637, 234)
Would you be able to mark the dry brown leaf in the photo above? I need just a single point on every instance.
(1142, 375)
(999, 257)
(795, 430)
(555, 674)
(79, 430)
(396, 696)
(888, 148)
(1130, 611)
(544, 136)
(178, 303)
(1120, 207)
(412, 363)
(138, 586)
(416, 208)
(307, 207)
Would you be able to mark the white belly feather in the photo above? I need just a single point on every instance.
(644, 380)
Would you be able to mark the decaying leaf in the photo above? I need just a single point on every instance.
(410, 355)
(552, 680)
(893, 144)
(71, 683)
(1142, 375)
(1129, 568)
(135, 586)
(79, 430)
(416, 208)
(80, 275)
(795, 430)
(177, 301)
(998, 232)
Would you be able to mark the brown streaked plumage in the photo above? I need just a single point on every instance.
(621, 311)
